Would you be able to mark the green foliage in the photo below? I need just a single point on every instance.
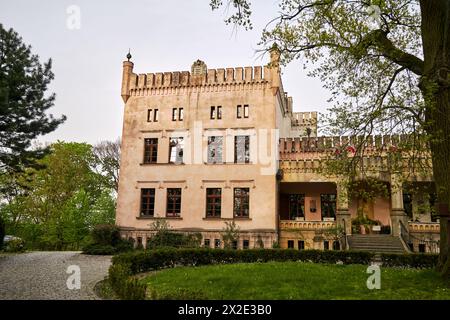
(15, 245)
(106, 240)
(24, 102)
(55, 207)
(163, 237)
(2, 231)
(230, 234)
(106, 234)
(410, 260)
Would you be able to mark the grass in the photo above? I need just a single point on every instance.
(292, 280)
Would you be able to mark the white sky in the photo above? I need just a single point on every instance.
(164, 35)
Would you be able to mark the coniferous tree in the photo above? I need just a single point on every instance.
(23, 102)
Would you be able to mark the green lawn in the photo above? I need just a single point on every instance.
(292, 280)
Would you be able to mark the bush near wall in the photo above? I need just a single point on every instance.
(125, 265)
(407, 260)
(106, 240)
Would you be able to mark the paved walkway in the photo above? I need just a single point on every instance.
(43, 275)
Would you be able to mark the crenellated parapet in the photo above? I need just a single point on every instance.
(324, 144)
(200, 78)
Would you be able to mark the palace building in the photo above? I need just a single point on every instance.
(206, 147)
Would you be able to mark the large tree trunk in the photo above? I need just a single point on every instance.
(435, 84)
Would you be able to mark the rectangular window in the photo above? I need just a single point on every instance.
(296, 206)
(215, 149)
(207, 243)
(147, 202)
(328, 205)
(301, 245)
(234, 244)
(290, 244)
(212, 114)
(150, 150)
(219, 112)
(239, 111)
(174, 114)
(180, 114)
(176, 146)
(216, 243)
(422, 247)
(241, 202)
(245, 244)
(213, 202)
(326, 245)
(152, 115)
(173, 202)
(241, 149)
(246, 111)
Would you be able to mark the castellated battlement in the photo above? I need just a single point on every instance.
(199, 76)
(186, 78)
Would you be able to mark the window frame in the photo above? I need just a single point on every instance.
(300, 204)
(180, 114)
(246, 149)
(181, 139)
(174, 114)
(219, 113)
(150, 150)
(211, 140)
(329, 202)
(239, 111)
(149, 201)
(173, 203)
(152, 115)
(240, 212)
(215, 199)
(246, 109)
(212, 113)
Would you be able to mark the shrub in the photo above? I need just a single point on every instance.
(409, 260)
(99, 249)
(106, 240)
(106, 234)
(15, 245)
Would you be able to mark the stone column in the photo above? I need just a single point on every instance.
(397, 211)
(342, 213)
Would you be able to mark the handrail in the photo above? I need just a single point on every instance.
(408, 239)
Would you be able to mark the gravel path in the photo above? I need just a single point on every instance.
(43, 275)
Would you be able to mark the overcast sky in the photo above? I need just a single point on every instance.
(164, 35)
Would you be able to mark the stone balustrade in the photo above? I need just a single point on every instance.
(432, 227)
(306, 225)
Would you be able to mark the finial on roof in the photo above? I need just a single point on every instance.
(129, 55)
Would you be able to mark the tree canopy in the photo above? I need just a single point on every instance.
(24, 102)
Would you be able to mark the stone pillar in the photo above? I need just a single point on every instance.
(342, 213)
(397, 211)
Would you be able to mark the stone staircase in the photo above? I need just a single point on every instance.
(379, 243)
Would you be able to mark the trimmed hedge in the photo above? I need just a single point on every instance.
(410, 260)
(125, 265)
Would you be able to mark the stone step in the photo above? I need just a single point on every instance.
(376, 243)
